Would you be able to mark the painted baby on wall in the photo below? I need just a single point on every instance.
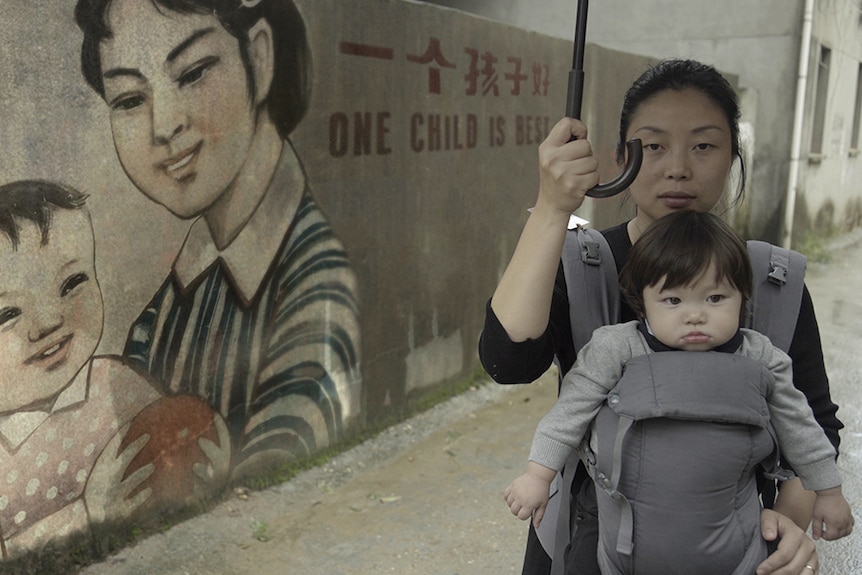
(67, 457)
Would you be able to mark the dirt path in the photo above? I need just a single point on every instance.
(423, 498)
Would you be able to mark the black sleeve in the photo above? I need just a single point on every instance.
(809, 370)
(507, 361)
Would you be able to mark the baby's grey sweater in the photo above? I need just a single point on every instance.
(600, 365)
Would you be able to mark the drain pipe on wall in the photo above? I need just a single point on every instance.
(798, 118)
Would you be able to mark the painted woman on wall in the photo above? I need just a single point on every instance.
(259, 313)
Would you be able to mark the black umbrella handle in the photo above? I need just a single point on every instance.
(634, 149)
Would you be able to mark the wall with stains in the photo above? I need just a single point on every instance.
(229, 298)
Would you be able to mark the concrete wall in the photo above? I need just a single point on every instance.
(452, 155)
(419, 147)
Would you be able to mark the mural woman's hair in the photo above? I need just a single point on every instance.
(34, 201)
(290, 90)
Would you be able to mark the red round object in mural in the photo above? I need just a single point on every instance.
(174, 424)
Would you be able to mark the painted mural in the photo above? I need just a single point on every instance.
(234, 233)
(247, 355)
(258, 315)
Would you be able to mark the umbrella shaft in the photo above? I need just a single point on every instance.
(580, 35)
(576, 94)
(576, 75)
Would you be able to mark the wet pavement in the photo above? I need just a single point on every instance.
(835, 288)
(423, 498)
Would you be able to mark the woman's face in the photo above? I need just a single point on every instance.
(181, 114)
(687, 154)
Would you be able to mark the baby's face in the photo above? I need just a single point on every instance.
(50, 310)
(696, 317)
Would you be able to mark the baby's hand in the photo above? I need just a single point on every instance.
(832, 517)
(527, 496)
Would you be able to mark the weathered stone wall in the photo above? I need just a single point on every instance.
(418, 147)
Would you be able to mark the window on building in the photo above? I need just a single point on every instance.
(857, 111)
(820, 97)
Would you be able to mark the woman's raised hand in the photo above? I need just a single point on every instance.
(567, 167)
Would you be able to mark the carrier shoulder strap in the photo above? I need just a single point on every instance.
(591, 283)
(779, 277)
(594, 300)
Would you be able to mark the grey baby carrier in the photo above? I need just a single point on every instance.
(683, 430)
(591, 279)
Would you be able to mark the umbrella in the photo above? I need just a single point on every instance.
(634, 150)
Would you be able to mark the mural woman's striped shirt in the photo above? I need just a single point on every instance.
(271, 342)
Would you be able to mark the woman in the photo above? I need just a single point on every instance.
(686, 115)
(259, 315)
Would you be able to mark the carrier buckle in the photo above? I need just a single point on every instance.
(590, 254)
(778, 274)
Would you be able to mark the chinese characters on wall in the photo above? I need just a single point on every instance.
(479, 74)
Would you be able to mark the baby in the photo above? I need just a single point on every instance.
(708, 394)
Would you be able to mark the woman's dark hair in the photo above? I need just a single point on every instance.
(34, 201)
(678, 75)
(678, 249)
(289, 92)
